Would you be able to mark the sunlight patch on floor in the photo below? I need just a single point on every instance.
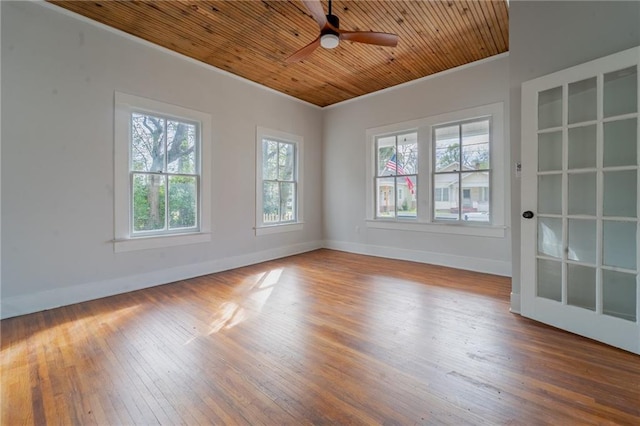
(246, 302)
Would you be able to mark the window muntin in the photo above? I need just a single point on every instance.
(164, 174)
(396, 176)
(461, 168)
(279, 182)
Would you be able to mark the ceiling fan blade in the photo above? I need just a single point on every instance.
(304, 52)
(317, 12)
(370, 37)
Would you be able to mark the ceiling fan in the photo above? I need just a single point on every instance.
(331, 34)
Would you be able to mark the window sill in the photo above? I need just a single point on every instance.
(491, 231)
(159, 241)
(276, 229)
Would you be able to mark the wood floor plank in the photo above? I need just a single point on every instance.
(320, 338)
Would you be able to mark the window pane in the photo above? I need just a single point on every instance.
(286, 161)
(148, 202)
(270, 202)
(446, 209)
(407, 154)
(406, 196)
(181, 147)
(447, 141)
(386, 155)
(385, 198)
(475, 145)
(183, 201)
(147, 143)
(287, 201)
(269, 160)
(475, 196)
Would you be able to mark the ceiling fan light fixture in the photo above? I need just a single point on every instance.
(329, 41)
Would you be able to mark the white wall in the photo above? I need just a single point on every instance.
(59, 74)
(545, 37)
(345, 161)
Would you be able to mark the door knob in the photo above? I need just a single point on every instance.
(528, 214)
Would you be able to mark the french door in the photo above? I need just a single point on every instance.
(580, 203)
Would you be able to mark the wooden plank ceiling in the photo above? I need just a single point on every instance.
(253, 38)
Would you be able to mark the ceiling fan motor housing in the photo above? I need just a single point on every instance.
(333, 20)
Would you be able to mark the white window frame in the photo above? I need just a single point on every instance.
(379, 174)
(124, 241)
(262, 228)
(461, 172)
(425, 221)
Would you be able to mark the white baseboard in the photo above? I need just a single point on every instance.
(515, 303)
(488, 266)
(35, 302)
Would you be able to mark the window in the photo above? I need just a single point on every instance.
(441, 194)
(278, 182)
(461, 167)
(461, 157)
(161, 180)
(397, 175)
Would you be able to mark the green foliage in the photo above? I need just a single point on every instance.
(182, 202)
(278, 174)
(148, 203)
(163, 146)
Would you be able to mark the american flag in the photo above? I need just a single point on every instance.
(393, 165)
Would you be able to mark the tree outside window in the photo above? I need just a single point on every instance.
(164, 174)
(279, 198)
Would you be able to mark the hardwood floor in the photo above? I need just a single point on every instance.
(320, 338)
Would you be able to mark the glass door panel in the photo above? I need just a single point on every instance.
(582, 239)
(620, 193)
(621, 92)
(582, 147)
(549, 279)
(582, 193)
(550, 194)
(550, 151)
(620, 143)
(582, 101)
(581, 286)
(619, 294)
(550, 237)
(550, 108)
(619, 240)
